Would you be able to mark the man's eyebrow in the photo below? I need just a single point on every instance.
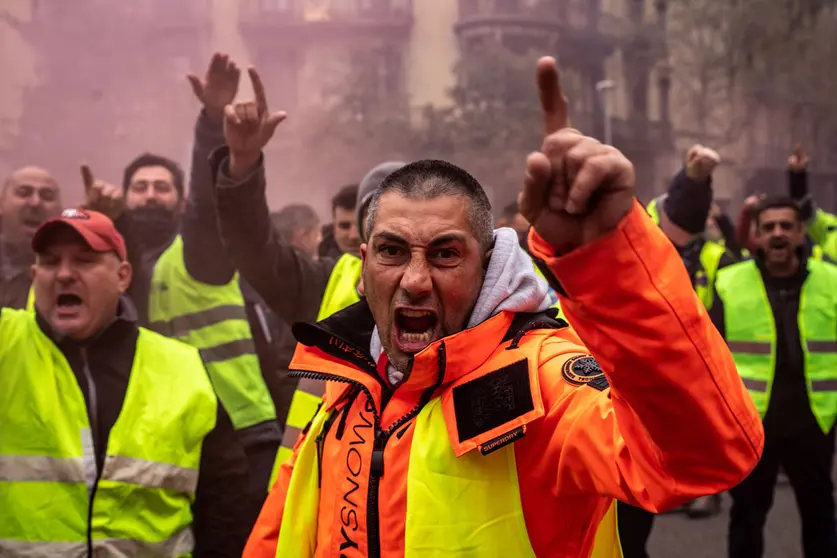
(390, 237)
(446, 239)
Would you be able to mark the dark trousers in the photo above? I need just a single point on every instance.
(807, 460)
(634, 529)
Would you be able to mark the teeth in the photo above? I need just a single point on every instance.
(416, 337)
(416, 313)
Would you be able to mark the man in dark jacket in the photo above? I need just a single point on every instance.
(160, 456)
(183, 232)
(778, 313)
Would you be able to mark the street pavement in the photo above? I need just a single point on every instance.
(677, 536)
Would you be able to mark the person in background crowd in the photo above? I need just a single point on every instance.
(341, 235)
(745, 230)
(112, 440)
(299, 226)
(192, 290)
(778, 313)
(512, 218)
(721, 230)
(495, 466)
(295, 286)
(29, 196)
(820, 240)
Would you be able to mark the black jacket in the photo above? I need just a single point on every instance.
(789, 411)
(291, 282)
(220, 527)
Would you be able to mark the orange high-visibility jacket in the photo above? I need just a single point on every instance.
(668, 421)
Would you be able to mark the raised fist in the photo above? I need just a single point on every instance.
(576, 189)
(101, 196)
(700, 162)
(798, 162)
(248, 127)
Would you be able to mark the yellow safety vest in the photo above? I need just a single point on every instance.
(213, 319)
(487, 525)
(341, 290)
(141, 499)
(751, 334)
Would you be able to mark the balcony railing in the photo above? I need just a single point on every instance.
(294, 12)
(578, 16)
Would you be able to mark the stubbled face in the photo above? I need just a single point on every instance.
(422, 272)
(345, 231)
(77, 289)
(29, 198)
(153, 186)
(779, 234)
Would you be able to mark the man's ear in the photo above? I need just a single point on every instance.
(363, 253)
(125, 273)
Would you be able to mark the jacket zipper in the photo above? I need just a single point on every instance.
(376, 468)
(94, 425)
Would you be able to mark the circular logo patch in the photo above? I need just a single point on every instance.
(581, 370)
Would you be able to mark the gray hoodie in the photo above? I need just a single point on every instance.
(510, 283)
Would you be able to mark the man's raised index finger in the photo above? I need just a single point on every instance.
(258, 89)
(87, 177)
(553, 102)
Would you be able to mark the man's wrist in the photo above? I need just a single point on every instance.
(241, 164)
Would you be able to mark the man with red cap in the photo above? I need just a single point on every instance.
(112, 440)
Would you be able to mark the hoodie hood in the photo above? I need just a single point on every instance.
(510, 284)
(367, 187)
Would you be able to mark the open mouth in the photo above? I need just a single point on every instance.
(68, 301)
(414, 329)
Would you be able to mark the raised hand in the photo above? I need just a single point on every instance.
(101, 196)
(576, 189)
(219, 87)
(798, 162)
(701, 162)
(248, 127)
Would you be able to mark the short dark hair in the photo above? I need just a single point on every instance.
(776, 202)
(294, 217)
(152, 160)
(429, 179)
(346, 198)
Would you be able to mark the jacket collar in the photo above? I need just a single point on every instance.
(339, 346)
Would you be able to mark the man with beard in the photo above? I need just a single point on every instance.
(778, 313)
(29, 196)
(195, 294)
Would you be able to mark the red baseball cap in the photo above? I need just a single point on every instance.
(94, 227)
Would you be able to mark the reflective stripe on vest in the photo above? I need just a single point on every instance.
(487, 519)
(751, 334)
(48, 470)
(213, 319)
(341, 291)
